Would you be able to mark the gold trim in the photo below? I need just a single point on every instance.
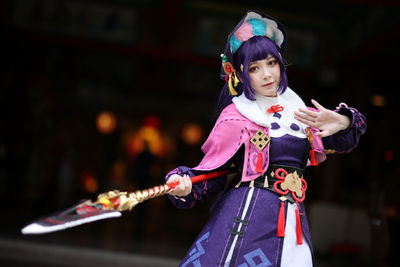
(266, 181)
(251, 183)
(260, 139)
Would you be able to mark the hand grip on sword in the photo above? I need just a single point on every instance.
(126, 201)
(182, 185)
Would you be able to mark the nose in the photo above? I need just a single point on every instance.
(266, 73)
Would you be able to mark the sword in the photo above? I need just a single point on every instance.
(107, 205)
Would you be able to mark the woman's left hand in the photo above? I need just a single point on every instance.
(327, 121)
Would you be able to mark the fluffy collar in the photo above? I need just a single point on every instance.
(256, 111)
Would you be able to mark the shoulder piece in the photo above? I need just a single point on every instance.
(224, 140)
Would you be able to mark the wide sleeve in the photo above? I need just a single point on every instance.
(346, 140)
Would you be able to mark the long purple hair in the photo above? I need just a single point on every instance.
(256, 48)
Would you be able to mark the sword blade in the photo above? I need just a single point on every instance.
(84, 212)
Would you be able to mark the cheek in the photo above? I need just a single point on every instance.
(252, 78)
(277, 73)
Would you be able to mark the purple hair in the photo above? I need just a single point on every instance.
(256, 48)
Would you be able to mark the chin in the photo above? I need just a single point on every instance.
(271, 94)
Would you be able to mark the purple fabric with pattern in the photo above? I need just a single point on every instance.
(257, 234)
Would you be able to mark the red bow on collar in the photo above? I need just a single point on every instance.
(274, 109)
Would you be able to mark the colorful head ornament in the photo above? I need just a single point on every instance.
(252, 24)
(256, 24)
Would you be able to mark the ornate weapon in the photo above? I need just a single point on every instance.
(107, 205)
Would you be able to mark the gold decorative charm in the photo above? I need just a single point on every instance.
(283, 198)
(293, 183)
(122, 201)
(260, 139)
(330, 151)
(266, 181)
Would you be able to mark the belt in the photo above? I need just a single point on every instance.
(283, 180)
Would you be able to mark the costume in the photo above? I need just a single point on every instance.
(243, 225)
(259, 219)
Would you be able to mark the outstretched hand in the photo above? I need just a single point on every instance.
(327, 121)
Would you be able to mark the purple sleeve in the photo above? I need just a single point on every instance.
(346, 140)
(200, 191)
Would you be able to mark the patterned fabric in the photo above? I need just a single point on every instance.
(241, 230)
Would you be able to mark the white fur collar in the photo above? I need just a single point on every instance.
(256, 111)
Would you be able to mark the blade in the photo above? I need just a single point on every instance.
(84, 212)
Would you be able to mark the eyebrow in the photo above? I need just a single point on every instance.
(268, 58)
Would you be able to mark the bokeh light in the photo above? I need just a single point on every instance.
(378, 100)
(106, 122)
(192, 133)
(89, 181)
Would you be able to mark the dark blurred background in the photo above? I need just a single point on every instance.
(99, 95)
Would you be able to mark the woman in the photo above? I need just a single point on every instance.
(270, 136)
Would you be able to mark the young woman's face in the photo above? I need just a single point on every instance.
(265, 76)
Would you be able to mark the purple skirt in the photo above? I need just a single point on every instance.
(242, 231)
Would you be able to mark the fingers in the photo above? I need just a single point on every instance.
(323, 133)
(317, 105)
(307, 112)
(185, 185)
(308, 119)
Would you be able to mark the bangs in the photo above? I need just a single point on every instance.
(261, 50)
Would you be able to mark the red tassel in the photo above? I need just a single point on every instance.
(299, 231)
(281, 221)
(313, 161)
(259, 163)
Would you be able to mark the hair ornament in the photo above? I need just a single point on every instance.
(231, 76)
(256, 24)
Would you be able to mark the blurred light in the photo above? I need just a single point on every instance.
(390, 211)
(152, 121)
(388, 155)
(106, 122)
(118, 171)
(146, 136)
(90, 183)
(134, 144)
(192, 134)
(378, 100)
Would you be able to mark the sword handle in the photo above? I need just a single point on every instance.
(126, 201)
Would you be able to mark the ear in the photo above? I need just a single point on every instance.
(239, 73)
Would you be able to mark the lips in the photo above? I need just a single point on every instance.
(268, 84)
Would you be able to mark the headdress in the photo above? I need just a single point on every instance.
(252, 24)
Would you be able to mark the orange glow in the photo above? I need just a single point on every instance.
(136, 142)
(106, 122)
(152, 121)
(192, 134)
(89, 182)
(378, 100)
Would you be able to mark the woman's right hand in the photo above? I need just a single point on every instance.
(185, 185)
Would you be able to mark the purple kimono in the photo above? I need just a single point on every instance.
(242, 227)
